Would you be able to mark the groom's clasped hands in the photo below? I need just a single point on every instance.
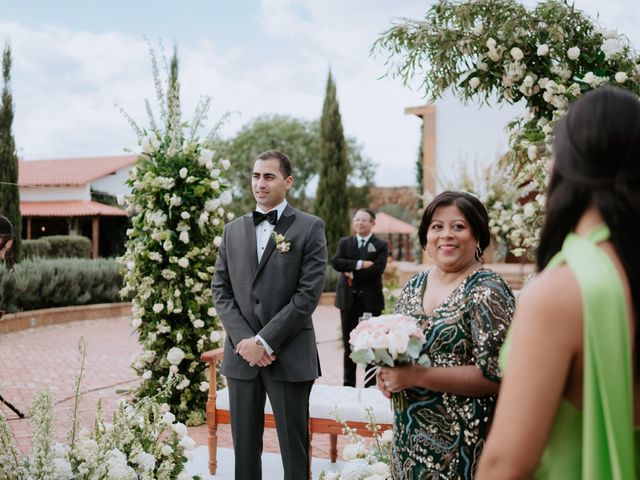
(254, 353)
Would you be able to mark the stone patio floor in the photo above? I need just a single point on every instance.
(47, 357)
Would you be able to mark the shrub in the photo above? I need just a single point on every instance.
(57, 246)
(47, 283)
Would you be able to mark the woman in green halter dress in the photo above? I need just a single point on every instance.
(569, 405)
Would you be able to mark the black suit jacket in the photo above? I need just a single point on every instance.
(366, 281)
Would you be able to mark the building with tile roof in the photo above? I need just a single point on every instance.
(60, 197)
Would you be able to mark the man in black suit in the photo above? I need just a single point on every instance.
(361, 259)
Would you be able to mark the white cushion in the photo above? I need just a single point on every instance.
(349, 403)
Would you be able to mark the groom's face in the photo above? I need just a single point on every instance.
(269, 184)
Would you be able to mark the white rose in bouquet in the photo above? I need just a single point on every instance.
(175, 356)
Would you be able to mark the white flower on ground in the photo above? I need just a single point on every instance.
(168, 418)
(146, 461)
(611, 48)
(183, 172)
(542, 50)
(204, 386)
(573, 53)
(183, 262)
(516, 54)
(187, 442)
(621, 77)
(474, 82)
(226, 197)
(158, 307)
(180, 429)
(175, 355)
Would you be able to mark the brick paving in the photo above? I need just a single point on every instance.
(47, 357)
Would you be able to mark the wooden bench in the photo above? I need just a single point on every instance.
(348, 402)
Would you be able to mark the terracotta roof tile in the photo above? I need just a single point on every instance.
(71, 208)
(386, 223)
(70, 171)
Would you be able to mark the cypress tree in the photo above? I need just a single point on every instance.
(9, 193)
(332, 203)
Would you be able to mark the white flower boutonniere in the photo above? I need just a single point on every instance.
(282, 244)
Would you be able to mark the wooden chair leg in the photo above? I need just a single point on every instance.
(333, 447)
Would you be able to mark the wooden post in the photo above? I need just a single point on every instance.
(212, 357)
(95, 236)
(28, 228)
(428, 115)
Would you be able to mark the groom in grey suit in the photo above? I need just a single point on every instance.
(265, 292)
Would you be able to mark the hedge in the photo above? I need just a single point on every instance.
(47, 283)
(57, 246)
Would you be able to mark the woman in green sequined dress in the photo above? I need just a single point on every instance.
(569, 405)
(442, 413)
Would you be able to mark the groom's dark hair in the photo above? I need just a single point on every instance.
(285, 163)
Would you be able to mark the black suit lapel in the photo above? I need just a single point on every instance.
(281, 227)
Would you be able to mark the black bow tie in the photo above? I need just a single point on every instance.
(259, 217)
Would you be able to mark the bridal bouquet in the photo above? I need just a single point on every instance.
(388, 340)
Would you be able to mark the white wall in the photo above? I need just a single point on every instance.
(48, 194)
(113, 184)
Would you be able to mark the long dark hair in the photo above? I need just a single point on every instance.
(597, 162)
(472, 209)
(6, 234)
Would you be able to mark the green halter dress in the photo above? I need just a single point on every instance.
(598, 443)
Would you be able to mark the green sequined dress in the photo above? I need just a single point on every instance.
(440, 435)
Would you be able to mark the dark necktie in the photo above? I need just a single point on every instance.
(259, 217)
(362, 249)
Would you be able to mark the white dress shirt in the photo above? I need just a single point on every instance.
(263, 232)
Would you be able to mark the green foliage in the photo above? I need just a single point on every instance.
(57, 246)
(9, 194)
(332, 204)
(38, 248)
(499, 50)
(47, 283)
(300, 140)
(177, 210)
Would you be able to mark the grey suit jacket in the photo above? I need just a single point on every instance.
(275, 298)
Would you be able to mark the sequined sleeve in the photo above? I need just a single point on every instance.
(491, 310)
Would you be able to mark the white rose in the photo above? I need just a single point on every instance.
(215, 185)
(573, 53)
(494, 55)
(158, 307)
(215, 336)
(180, 429)
(184, 237)
(146, 375)
(217, 241)
(611, 48)
(516, 54)
(204, 386)
(621, 77)
(146, 461)
(175, 355)
(528, 81)
(480, 65)
(491, 43)
(212, 312)
(164, 408)
(150, 143)
(173, 369)
(387, 436)
(517, 219)
(226, 197)
(183, 384)
(166, 450)
(474, 82)
(211, 205)
(529, 210)
(542, 50)
(350, 451)
(168, 418)
(183, 262)
(183, 172)
(532, 152)
(205, 156)
(136, 322)
(381, 469)
(225, 164)
(198, 323)
(185, 215)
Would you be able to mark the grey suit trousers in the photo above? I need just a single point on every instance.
(290, 404)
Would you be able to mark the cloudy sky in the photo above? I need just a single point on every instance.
(75, 60)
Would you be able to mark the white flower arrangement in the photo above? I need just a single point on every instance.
(282, 244)
(139, 442)
(177, 209)
(364, 461)
(547, 55)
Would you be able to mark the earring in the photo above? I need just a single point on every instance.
(479, 254)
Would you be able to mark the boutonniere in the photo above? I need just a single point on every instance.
(282, 244)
